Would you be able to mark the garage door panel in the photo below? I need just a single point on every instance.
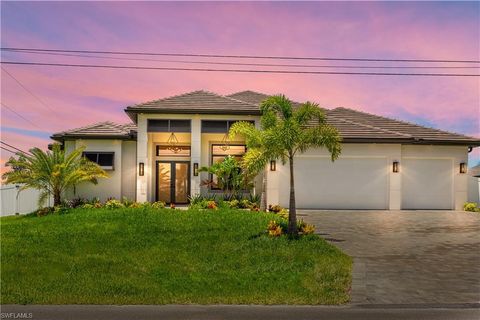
(427, 184)
(347, 183)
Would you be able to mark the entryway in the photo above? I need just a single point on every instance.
(173, 181)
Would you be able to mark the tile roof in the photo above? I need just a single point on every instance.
(196, 102)
(358, 125)
(99, 130)
(401, 128)
(353, 125)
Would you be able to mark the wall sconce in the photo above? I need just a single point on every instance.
(195, 169)
(273, 165)
(463, 167)
(141, 169)
(395, 166)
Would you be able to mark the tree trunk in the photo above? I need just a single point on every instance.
(56, 198)
(292, 216)
(263, 195)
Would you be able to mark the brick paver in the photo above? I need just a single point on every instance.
(407, 256)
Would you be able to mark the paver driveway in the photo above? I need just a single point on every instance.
(407, 256)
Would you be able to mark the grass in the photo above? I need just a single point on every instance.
(147, 256)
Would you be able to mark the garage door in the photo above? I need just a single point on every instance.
(347, 183)
(427, 184)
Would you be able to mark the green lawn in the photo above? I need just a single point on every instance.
(147, 256)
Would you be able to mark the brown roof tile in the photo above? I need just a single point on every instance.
(99, 130)
(196, 102)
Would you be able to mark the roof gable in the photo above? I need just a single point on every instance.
(196, 102)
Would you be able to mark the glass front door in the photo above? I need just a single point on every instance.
(173, 181)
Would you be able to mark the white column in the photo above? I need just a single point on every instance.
(142, 156)
(273, 192)
(196, 147)
(395, 188)
(460, 182)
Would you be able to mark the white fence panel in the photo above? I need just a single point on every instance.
(13, 201)
(474, 189)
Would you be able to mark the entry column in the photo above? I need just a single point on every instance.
(195, 149)
(142, 157)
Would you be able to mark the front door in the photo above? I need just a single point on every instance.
(173, 181)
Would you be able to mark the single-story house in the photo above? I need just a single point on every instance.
(385, 163)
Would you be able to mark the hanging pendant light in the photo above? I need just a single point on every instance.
(172, 144)
(225, 143)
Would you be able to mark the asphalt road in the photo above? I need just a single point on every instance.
(197, 312)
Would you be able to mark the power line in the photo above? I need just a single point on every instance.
(18, 114)
(8, 150)
(239, 70)
(27, 90)
(239, 56)
(246, 64)
(14, 148)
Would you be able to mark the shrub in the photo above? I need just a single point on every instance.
(44, 211)
(234, 203)
(245, 204)
(127, 203)
(134, 205)
(254, 198)
(471, 206)
(307, 229)
(254, 206)
(60, 210)
(113, 204)
(158, 205)
(195, 199)
(274, 229)
(88, 206)
(274, 208)
(212, 205)
(74, 203)
(283, 213)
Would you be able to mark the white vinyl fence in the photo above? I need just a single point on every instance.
(13, 201)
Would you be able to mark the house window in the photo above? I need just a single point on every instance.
(165, 125)
(166, 151)
(103, 159)
(219, 153)
(218, 126)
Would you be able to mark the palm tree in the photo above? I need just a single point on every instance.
(285, 132)
(52, 172)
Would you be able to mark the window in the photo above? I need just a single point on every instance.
(165, 151)
(168, 125)
(218, 126)
(218, 154)
(236, 151)
(103, 159)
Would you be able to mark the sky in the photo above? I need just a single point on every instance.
(65, 98)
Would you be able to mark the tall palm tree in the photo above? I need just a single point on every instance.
(285, 132)
(52, 172)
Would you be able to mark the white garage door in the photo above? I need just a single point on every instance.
(347, 183)
(427, 184)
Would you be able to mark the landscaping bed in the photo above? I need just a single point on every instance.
(149, 255)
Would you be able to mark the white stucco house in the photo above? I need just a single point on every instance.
(385, 163)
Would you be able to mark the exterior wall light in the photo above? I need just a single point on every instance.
(463, 167)
(273, 165)
(195, 169)
(395, 166)
(141, 169)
